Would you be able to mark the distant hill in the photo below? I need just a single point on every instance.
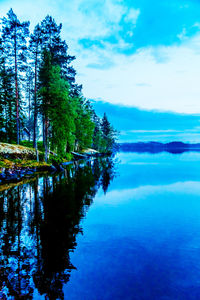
(156, 147)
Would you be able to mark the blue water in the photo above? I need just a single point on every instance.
(121, 229)
(141, 240)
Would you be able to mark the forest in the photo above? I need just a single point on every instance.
(41, 104)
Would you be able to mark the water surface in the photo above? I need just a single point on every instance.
(122, 229)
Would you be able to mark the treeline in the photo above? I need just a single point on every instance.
(39, 96)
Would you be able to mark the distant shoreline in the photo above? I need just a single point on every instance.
(156, 147)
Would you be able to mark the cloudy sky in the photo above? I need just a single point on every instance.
(138, 53)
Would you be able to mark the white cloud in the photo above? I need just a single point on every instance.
(171, 76)
(132, 15)
(143, 192)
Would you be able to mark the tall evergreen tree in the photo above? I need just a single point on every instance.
(35, 47)
(57, 107)
(109, 134)
(14, 35)
(59, 51)
(97, 139)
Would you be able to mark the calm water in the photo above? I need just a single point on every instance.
(127, 228)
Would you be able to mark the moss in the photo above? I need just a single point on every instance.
(21, 163)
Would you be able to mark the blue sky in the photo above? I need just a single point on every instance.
(137, 53)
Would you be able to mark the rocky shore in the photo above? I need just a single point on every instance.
(18, 163)
(19, 173)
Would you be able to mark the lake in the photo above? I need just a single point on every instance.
(126, 227)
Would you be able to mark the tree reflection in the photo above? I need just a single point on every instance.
(39, 222)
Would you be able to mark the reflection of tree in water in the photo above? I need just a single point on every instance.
(39, 222)
(108, 173)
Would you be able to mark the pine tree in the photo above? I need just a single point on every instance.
(14, 34)
(59, 52)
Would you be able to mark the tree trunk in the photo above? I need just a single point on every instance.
(35, 106)
(29, 109)
(35, 111)
(46, 138)
(16, 93)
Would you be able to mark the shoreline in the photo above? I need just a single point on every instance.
(17, 173)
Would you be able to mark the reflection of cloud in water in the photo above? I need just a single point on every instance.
(142, 192)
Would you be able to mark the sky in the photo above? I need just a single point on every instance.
(139, 125)
(136, 53)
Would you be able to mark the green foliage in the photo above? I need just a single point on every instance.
(84, 124)
(104, 138)
(55, 159)
(56, 105)
(30, 145)
(67, 157)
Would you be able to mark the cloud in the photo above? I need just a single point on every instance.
(132, 15)
(170, 74)
(142, 192)
(144, 54)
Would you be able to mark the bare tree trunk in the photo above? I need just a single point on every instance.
(35, 106)
(35, 111)
(46, 138)
(16, 94)
(29, 108)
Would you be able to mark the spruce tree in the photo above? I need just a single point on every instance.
(109, 135)
(97, 139)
